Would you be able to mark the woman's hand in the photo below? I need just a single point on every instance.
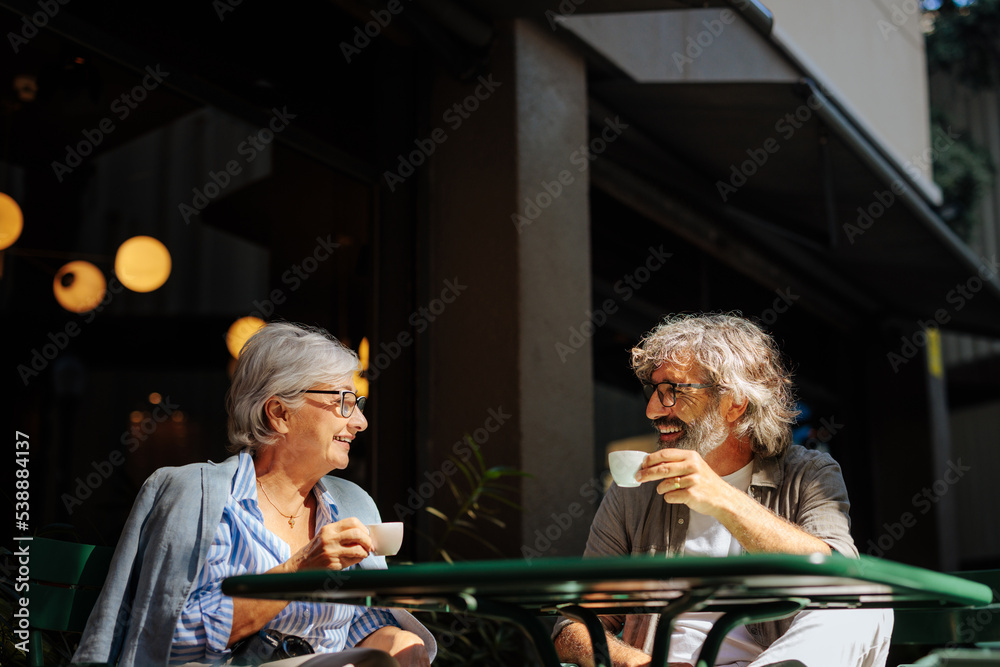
(335, 546)
(407, 648)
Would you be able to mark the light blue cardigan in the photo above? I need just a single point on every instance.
(161, 550)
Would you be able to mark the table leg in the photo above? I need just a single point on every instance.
(765, 611)
(595, 628)
(528, 622)
(665, 626)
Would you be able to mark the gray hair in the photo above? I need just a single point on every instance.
(280, 360)
(735, 354)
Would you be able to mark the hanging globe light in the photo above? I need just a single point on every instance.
(11, 221)
(240, 331)
(360, 376)
(79, 286)
(142, 264)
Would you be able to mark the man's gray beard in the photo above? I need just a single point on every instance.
(705, 434)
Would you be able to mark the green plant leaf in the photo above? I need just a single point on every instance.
(458, 495)
(467, 472)
(485, 500)
(501, 499)
(454, 490)
(505, 471)
(433, 511)
(476, 451)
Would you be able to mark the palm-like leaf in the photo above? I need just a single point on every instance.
(481, 494)
(480, 498)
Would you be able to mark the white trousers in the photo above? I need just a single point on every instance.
(833, 638)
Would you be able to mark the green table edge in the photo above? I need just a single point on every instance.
(946, 588)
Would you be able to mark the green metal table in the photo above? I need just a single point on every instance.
(961, 626)
(746, 589)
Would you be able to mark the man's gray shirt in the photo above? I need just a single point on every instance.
(804, 486)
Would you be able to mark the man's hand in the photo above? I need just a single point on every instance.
(689, 480)
(335, 546)
(407, 648)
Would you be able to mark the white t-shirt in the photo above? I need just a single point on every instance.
(708, 537)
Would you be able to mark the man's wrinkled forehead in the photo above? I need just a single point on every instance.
(678, 362)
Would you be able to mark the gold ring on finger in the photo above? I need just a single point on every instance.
(677, 483)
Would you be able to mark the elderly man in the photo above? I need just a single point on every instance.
(727, 480)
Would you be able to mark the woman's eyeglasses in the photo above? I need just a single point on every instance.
(348, 400)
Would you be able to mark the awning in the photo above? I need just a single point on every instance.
(813, 197)
(773, 159)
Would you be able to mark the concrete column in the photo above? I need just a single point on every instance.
(516, 285)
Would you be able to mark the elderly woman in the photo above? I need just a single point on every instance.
(293, 416)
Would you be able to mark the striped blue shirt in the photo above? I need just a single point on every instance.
(242, 545)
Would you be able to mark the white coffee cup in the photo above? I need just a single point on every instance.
(386, 538)
(624, 465)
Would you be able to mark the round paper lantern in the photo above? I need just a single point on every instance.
(240, 331)
(360, 377)
(79, 286)
(142, 264)
(11, 221)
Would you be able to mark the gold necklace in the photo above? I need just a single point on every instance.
(291, 519)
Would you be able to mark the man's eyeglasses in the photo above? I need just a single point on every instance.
(348, 399)
(667, 391)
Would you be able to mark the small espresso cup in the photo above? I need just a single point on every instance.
(386, 538)
(624, 465)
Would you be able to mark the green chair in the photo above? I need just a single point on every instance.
(65, 580)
